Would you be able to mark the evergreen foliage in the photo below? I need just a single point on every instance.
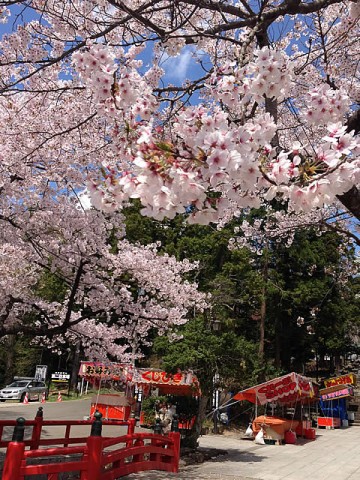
(313, 278)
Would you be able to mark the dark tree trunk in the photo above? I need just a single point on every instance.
(192, 439)
(265, 273)
(9, 358)
(75, 367)
(351, 200)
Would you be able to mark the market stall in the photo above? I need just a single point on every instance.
(162, 394)
(334, 401)
(116, 377)
(291, 390)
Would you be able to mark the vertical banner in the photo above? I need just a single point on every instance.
(41, 372)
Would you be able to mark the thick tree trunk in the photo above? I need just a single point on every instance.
(262, 326)
(192, 439)
(278, 331)
(263, 308)
(351, 200)
(9, 358)
(75, 367)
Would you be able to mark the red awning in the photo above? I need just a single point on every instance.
(182, 383)
(285, 390)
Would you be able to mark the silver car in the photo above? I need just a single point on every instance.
(20, 387)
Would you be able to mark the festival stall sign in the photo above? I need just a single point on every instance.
(181, 383)
(335, 392)
(285, 390)
(348, 379)
(110, 371)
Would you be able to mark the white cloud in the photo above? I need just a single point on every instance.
(84, 200)
(176, 68)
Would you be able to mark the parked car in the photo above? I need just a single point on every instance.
(20, 386)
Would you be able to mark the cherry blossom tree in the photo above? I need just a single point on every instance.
(270, 113)
(114, 292)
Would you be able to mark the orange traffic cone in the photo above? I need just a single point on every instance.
(59, 399)
(26, 399)
(43, 398)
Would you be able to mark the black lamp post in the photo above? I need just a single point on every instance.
(216, 402)
(215, 326)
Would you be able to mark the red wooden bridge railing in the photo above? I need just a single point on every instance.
(100, 458)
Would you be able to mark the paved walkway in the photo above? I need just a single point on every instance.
(334, 455)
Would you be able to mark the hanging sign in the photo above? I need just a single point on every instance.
(40, 373)
(287, 389)
(348, 379)
(336, 394)
(163, 378)
(113, 371)
(152, 376)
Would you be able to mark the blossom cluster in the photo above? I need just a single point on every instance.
(326, 105)
(236, 163)
(213, 156)
(267, 75)
(96, 65)
(115, 83)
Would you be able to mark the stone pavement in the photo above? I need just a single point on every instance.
(334, 455)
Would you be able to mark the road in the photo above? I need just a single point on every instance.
(335, 454)
(66, 410)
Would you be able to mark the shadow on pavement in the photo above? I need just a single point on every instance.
(234, 455)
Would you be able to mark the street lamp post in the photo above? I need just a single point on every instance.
(215, 326)
(216, 402)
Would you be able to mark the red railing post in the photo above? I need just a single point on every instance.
(157, 428)
(94, 449)
(36, 433)
(175, 437)
(131, 431)
(131, 426)
(15, 452)
(138, 457)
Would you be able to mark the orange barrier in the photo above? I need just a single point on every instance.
(134, 452)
